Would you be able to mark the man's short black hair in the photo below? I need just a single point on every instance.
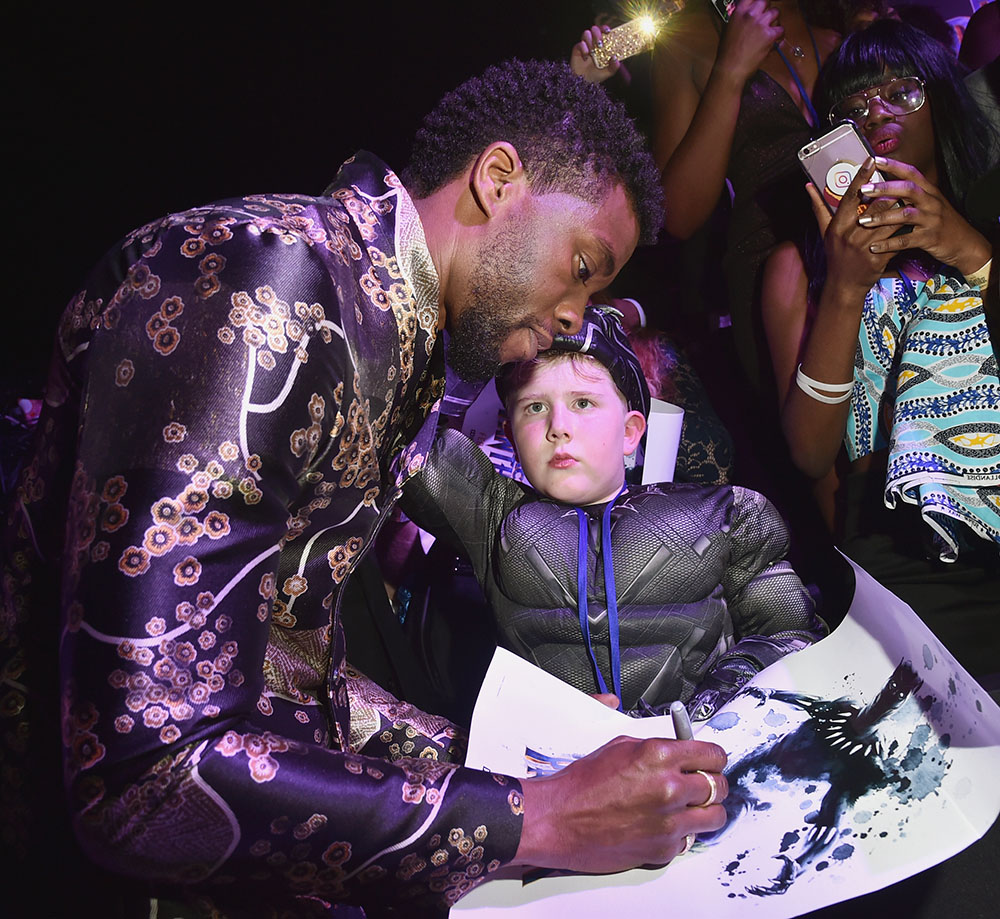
(571, 136)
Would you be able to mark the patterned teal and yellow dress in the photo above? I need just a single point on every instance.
(926, 365)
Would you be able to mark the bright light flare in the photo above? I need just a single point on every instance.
(649, 25)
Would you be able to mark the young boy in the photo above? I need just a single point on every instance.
(654, 593)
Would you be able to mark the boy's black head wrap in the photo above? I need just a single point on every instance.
(603, 338)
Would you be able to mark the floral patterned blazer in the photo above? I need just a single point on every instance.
(237, 394)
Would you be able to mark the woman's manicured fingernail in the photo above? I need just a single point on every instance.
(864, 220)
(867, 189)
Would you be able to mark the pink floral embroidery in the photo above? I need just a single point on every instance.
(114, 518)
(134, 561)
(166, 510)
(159, 539)
(124, 373)
(258, 749)
(174, 433)
(337, 854)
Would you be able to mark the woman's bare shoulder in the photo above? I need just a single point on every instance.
(697, 24)
(690, 41)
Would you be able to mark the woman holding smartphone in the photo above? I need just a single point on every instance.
(731, 99)
(731, 87)
(838, 315)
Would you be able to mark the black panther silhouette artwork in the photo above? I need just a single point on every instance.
(842, 743)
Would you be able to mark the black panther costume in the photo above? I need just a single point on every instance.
(701, 593)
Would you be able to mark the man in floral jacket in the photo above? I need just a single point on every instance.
(237, 394)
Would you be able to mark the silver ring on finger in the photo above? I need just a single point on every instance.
(713, 788)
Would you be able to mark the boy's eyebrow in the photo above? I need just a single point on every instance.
(527, 396)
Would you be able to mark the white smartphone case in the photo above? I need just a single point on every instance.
(832, 161)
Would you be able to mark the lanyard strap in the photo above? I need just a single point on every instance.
(609, 590)
(810, 108)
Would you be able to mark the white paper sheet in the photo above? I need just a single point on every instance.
(663, 438)
(926, 792)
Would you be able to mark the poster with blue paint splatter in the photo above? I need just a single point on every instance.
(853, 764)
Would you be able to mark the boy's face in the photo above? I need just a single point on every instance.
(572, 431)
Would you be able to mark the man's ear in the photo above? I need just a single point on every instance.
(497, 178)
(635, 427)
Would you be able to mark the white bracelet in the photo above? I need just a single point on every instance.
(808, 385)
(981, 277)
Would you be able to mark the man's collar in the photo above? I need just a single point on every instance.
(374, 179)
(413, 255)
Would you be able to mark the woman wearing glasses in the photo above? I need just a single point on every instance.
(879, 342)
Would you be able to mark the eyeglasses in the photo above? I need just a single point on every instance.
(898, 97)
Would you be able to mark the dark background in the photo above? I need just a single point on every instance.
(118, 114)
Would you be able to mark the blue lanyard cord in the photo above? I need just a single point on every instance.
(609, 590)
(813, 116)
(612, 596)
(581, 595)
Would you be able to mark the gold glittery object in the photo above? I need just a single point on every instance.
(634, 36)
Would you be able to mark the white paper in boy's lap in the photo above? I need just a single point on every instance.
(935, 791)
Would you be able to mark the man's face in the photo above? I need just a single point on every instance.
(572, 431)
(532, 275)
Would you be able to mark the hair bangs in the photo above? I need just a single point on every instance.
(513, 377)
(864, 62)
